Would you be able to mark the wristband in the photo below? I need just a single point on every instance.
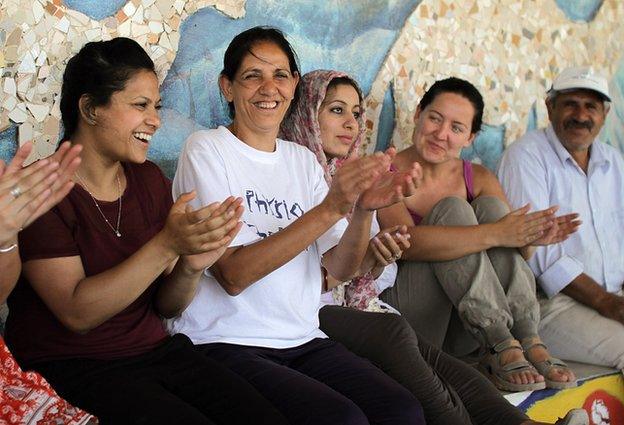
(8, 248)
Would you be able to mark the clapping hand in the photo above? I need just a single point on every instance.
(391, 187)
(520, 228)
(201, 236)
(28, 192)
(386, 248)
(563, 226)
(354, 177)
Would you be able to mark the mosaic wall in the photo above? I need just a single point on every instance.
(395, 48)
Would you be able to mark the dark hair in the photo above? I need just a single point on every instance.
(241, 45)
(462, 88)
(345, 81)
(98, 70)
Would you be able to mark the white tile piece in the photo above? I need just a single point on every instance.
(38, 11)
(9, 86)
(41, 59)
(23, 84)
(123, 30)
(179, 6)
(92, 34)
(27, 64)
(18, 116)
(139, 30)
(129, 9)
(155, 27)
(30, 94)
(138, 15)
(9, 103)
(25, 133)
(39, 112)
(62, 25)
(164, 41)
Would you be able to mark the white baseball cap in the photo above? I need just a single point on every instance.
(582, 78)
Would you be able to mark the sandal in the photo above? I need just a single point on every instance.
(546, 366)
(574, 417)
(500, 375)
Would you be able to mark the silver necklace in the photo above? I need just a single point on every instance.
(114, 229)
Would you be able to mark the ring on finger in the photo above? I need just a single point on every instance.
(15, 191)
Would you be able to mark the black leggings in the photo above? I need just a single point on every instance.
(173, 384)
(321, 383)
(450, 391)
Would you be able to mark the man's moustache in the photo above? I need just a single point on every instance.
(578, 124)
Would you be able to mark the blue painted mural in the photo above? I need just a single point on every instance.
(354, 37)
(191, 98)
(96, 9)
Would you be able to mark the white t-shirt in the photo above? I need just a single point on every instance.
(281, 309)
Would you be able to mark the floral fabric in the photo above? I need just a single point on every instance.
(27, 399)
(302, 127)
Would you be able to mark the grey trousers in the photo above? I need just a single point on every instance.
(450, 391)
(491, 294)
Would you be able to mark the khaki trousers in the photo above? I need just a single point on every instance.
(490, 294)
(576, 332)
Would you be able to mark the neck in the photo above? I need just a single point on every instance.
(263, 141)
(582, 158)
(96, 170)
(430, 170)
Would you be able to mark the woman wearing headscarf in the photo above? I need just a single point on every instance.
(329, 120)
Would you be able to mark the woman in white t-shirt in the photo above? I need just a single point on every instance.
(256, 309)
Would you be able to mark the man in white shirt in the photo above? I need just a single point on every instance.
(582, 303)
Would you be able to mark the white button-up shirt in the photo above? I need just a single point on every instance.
(538, 169)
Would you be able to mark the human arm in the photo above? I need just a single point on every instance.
(353, 248)
(179, 286)
(587, 291)
(386, 247)
(519, 228)
(442, 243)
(241, 266)
(529, 172)
(82, 302)
(41, 185)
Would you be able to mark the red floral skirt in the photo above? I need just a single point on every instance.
(27, 399)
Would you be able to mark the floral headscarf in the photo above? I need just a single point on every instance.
(302, 127)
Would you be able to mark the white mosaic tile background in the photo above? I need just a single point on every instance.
(510, 49)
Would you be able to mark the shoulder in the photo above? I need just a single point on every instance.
(295, 149)
(482, 176)
(205, 140)
(146, 173)
(147, 168)
(481, 172)
(300, 155)
(531, 142)
(532, 148)
(611, 152)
